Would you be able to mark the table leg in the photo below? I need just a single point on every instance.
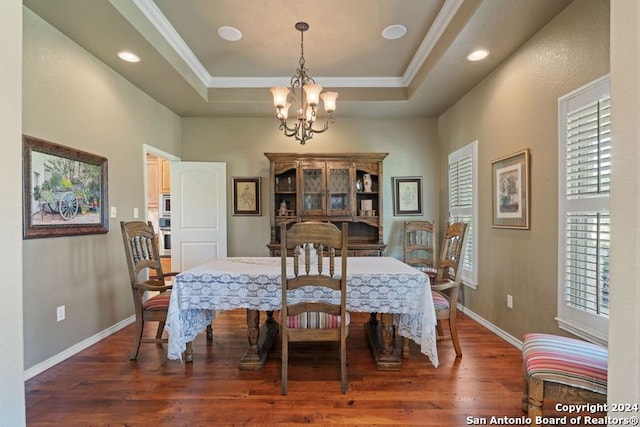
(382, 342)
(260, 342)
(373, 318)
(253, 330)
(386, 330)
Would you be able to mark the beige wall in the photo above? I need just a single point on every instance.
(12, 403)
(516, 107)
(411, 144)
(624, 322)
(72, 99)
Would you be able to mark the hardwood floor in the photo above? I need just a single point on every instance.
(100, 386)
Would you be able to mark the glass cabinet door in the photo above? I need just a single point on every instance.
(340, 192)
(285, 201)
(313, 188)
(327, 188)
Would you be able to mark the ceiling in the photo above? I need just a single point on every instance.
(187, 67)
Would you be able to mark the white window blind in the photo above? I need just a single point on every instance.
(587, 262)
(584, 221)
(588, 167)
(463, 206)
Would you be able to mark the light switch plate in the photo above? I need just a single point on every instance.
(114, 211)
(60, 313)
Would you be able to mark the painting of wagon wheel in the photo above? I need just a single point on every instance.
(64, 190)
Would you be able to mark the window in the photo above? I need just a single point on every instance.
(463, 184)
(584, 175)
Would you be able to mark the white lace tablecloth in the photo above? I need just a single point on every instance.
(374, 285)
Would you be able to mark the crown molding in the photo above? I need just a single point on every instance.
(155, 16)
(166, 30)
(334, 82)
(440, 24)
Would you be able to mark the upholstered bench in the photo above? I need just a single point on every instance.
(564, 369)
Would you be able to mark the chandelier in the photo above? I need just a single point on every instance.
(304, 94)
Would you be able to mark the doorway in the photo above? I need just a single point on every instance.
(157, 174)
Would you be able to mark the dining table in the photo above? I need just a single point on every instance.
(397, 297)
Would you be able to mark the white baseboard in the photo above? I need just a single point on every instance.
(52, 361)
(493, 328)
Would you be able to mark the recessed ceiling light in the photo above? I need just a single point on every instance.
(477, 55)
(229, 34)
(393, 32)
(128, 56)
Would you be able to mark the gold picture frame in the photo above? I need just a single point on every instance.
(511, 192)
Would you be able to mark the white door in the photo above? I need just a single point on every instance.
(198, 213)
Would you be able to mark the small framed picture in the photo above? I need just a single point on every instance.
(510, 190)
(407, 195)
(246, 196)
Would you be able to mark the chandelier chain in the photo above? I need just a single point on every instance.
(302, 128)
(301, 62)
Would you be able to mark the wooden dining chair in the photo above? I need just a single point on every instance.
(446, 283)
(316, 246)
(146, 276)
(420, 243)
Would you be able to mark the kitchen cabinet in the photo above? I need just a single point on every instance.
(165, 176)
(158, 180)
(153, 181)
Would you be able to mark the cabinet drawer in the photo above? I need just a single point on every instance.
(278, 252)
(366, 252)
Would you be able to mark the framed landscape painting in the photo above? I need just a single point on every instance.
(510, 190)
(64, 190)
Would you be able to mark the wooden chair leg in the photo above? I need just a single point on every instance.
(160, 330)
(453, 329)
(440, 329)
(285, 364)
(343, 367)
(137, 339)
(209, 333)
(536, 397)
(405, 347)
(525, 391)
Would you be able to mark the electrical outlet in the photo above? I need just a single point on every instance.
(60, 315)
(114, 211)
(509, 301)
(136, 214)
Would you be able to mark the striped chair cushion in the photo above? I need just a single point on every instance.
(314, 320)
(566, 361)
(158, 302)
(440, 303)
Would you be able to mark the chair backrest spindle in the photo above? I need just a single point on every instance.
(420, 245)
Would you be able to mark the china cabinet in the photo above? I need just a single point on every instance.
(328, 187)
